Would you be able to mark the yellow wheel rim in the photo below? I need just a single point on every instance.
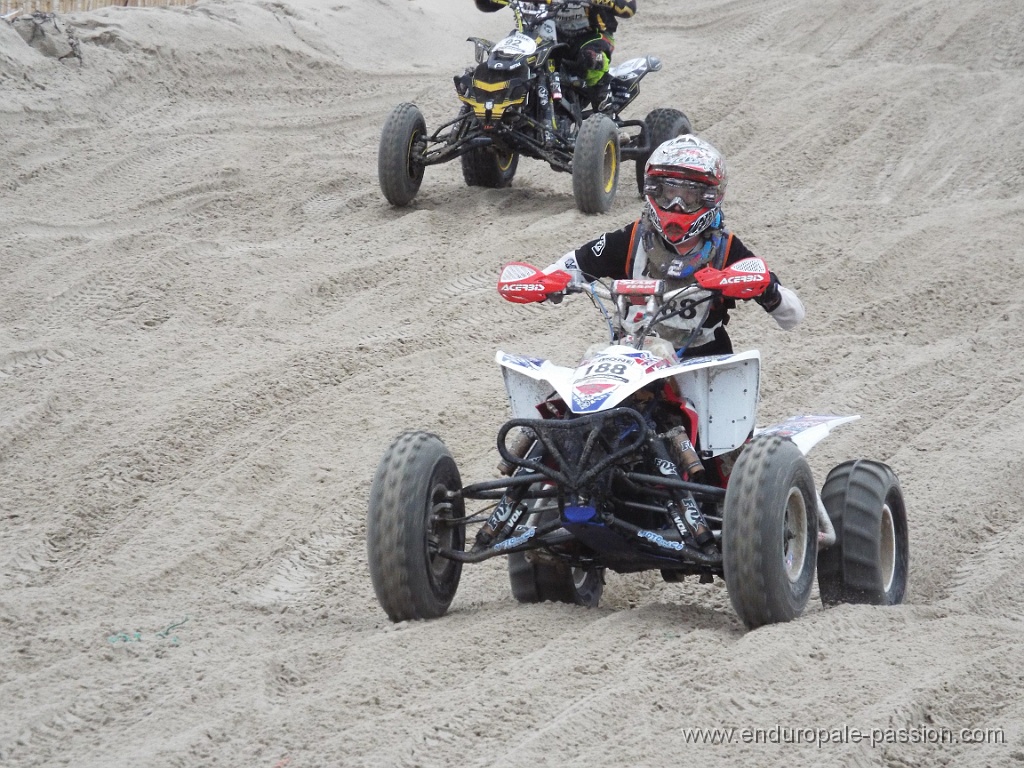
(610, 166)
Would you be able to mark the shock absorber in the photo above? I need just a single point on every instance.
(685, 454)
(548, 109)
(684, 510)
(556, 86)
(518, 447)
(507, 512)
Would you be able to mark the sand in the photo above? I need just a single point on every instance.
(212, 325)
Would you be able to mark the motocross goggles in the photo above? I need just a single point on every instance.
(682, 195)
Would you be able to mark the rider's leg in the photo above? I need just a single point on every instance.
(594, 56)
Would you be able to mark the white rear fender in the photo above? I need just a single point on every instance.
(806, 431)
(634, 69)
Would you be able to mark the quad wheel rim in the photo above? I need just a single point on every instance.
(887, 548)
(411, 168)
(794, 544)
(609, 166)
(439, 535)
(579, 578)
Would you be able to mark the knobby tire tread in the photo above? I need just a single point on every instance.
(396, 529)
(538, 582)
(481, 168)
(758, 588)
(588, 171)
(399, 179)
(663, 124)
(848, 572)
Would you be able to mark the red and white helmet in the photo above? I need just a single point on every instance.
(684, 183)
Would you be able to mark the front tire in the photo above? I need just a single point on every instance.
(595, 164)
(869, 563)
(769, 532)
(661, 125)
(409, 520)
(489, 167)
(399, 167)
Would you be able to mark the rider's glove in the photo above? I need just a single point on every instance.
(771, 298)
(575, 285)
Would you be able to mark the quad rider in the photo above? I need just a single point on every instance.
(679, 232)
(587, 28)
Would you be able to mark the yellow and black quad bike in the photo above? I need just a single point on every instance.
(524, 98)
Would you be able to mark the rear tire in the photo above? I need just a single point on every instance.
(769, 532)
(489, 167)
(661, 125)
(406, 526)
(869, 563)
(595, 164)
(538, 581)
(399, 168)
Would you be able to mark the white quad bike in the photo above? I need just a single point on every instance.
(639, 458)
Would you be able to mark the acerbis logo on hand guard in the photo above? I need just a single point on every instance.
(518, 287)
(741, 279)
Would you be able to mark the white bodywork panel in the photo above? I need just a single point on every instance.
(524, 392)
(516, 44)
(630, 70)
(724, 392)
(808, 430)
(722, 389)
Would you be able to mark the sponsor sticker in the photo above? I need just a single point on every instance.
(523, 362)
(515, 541)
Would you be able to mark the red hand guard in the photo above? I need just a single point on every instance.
(743, 280)
(523, 283)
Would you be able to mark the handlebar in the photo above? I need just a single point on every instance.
(579, 284)
(523, 283)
